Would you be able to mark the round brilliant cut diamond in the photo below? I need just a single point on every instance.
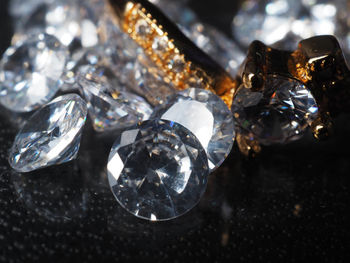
(158, 170)
(206, 116)
(279, 113)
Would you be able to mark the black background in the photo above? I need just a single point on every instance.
(290, 204)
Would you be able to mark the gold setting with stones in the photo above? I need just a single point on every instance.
(155, 41)
(319, 63)
(170, 52)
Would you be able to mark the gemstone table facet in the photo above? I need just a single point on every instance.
(158, 170)
(51, 135)
(206, 116)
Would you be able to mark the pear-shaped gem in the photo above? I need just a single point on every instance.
(51, 136)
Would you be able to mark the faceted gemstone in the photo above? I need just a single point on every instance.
(206, 116)
(50, 136)
(110, 106)
(149, 81)
(267, 20)
(272, 21)
(279, 113)
(158, 170)
(30, 72)
(66, 20)
(177, 64)
(160, 44)
(142, 28)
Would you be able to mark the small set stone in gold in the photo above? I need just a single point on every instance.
(182, 62)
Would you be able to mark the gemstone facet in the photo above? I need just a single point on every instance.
(111, 106)
(206, 116)
(51, 136)
(158, 170)
(279, 113)
(30, 72)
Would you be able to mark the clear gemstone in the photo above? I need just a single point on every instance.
(142, 28)
(66, 20)
(206, 116)
(111, 107)
(160, 44)
(268, 20)
(272, 21)
(50, 136)
(158, 170)
(148, 81)
(30, 72)
(279, 113)
(177, 64)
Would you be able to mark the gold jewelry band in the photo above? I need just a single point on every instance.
(182, 62)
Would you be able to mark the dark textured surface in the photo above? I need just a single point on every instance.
(290, 204)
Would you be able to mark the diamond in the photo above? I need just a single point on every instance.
(279, 113)
(160, 44)
(66, 20)
(148, 81)
(206, 116)
(111, 107)
(158, 170)
(30, 72)
(142, 28)
(287, 22)
(267, 20)
(50, 136)
(177, 64)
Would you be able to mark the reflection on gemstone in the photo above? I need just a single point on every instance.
(158, 170)
(206, 116)
(267, 20)
(64, 19)
(279, 113)
(30, 72)
(110, 106)
(272, 20)
(148, 81)
(51, 136)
